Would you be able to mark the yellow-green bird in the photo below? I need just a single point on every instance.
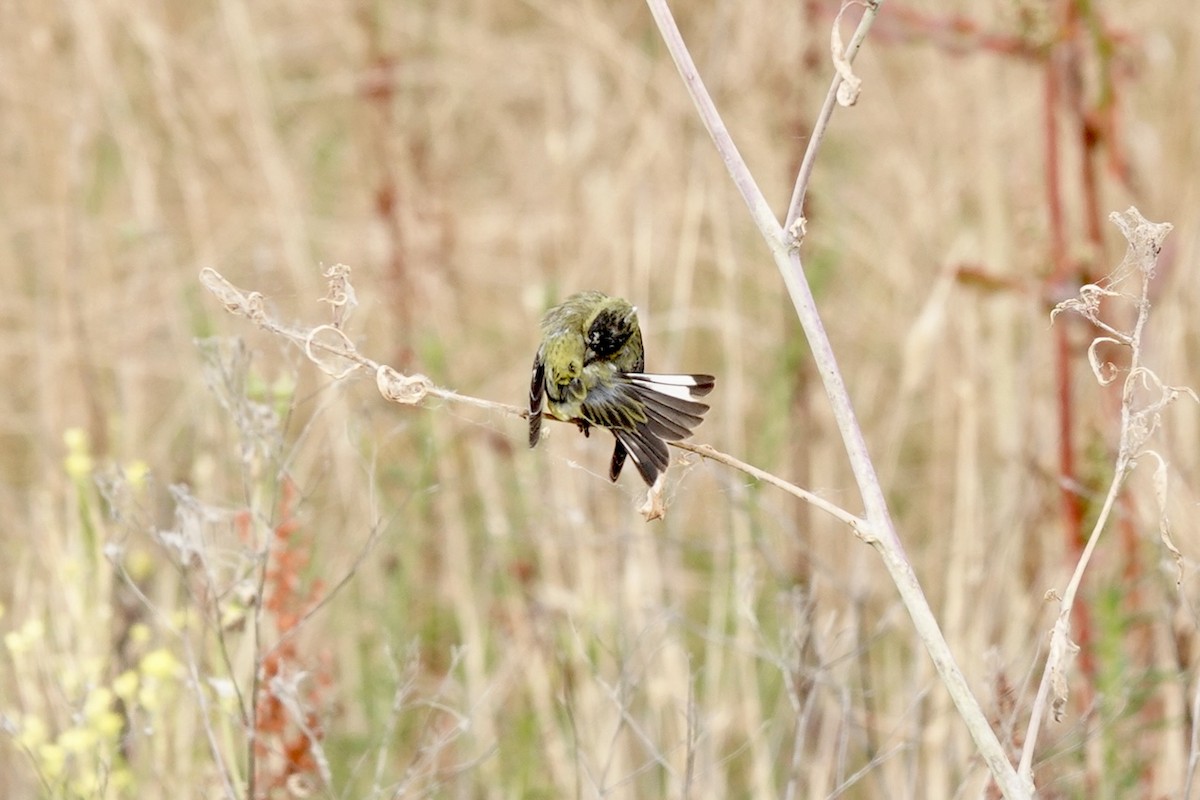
(589, 370)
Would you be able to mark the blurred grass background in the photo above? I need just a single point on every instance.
(445, 613)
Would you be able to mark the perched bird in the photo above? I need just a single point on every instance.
(589, 370)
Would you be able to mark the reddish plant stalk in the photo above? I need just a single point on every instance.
(284, 746)
(1062, 280)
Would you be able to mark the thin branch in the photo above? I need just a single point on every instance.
(800, 191)
(881, 532)
(760, 210)
(858, 524)
(1194, 744)
(193, 674)
(341, 358)
(416, 389)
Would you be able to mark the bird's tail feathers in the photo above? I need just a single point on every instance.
(648, 452)
(683, 387)
(669, 402)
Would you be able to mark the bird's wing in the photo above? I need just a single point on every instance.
(635, 402)
(537, 399)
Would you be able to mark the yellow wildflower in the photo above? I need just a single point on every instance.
(126, 685)
(159, 663)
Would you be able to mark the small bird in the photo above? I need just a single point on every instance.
(589, 370)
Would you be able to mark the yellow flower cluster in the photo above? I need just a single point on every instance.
(84, 758)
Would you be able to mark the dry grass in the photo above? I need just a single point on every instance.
(468, 618)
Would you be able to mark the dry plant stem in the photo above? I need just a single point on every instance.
(1194, 746)
(796, 207)
(880, 533)
(252, 306)
(760, 210)
(199, 691)
(191, 664)
(1061, 645)
(1139, 232)
(858, 524)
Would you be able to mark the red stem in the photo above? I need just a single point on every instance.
(1062, 280)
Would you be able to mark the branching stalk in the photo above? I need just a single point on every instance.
(1137, 423)
(880, 533)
